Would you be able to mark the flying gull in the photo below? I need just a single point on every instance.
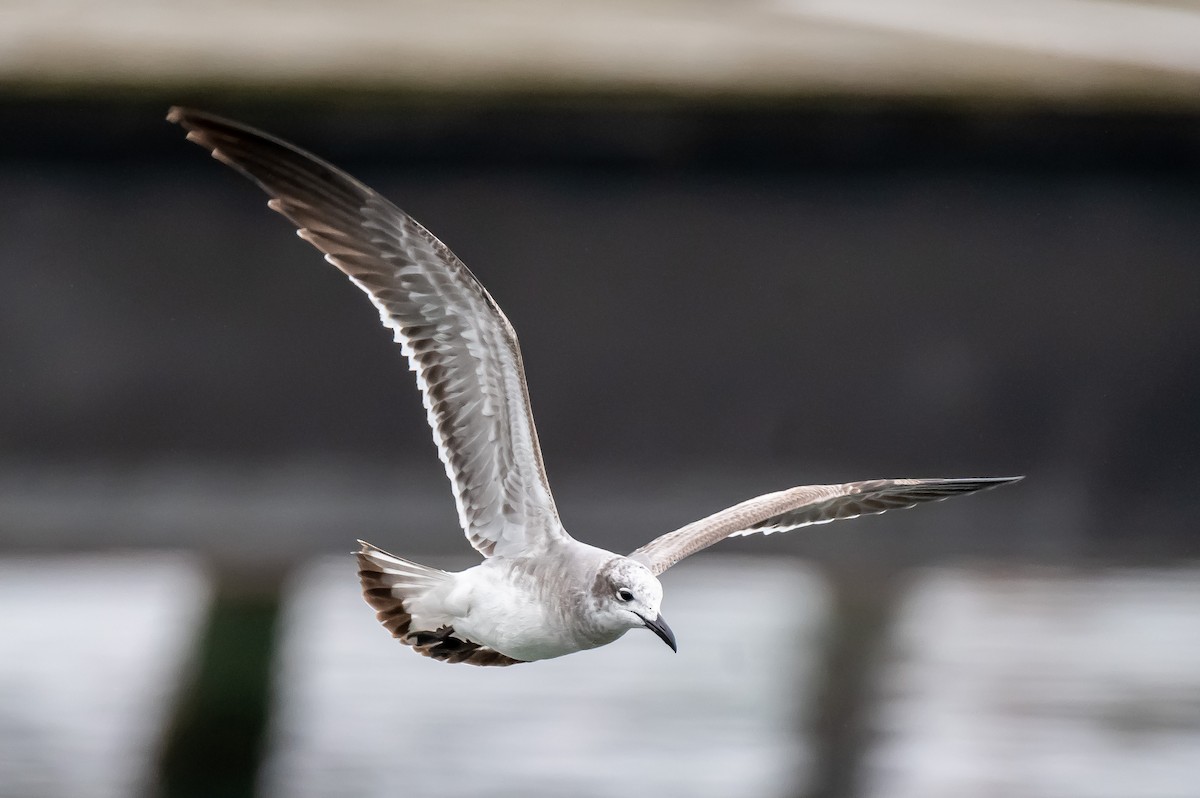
(538, 593)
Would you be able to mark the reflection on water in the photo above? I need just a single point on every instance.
(1042, 684)
(94, 649)
(359, 714)
(1027, 683)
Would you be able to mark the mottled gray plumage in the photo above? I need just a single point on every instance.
(538, 593)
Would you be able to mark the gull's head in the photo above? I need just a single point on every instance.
(626, 595)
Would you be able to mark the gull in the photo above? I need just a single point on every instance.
(539, 593)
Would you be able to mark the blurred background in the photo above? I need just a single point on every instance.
(746, 246)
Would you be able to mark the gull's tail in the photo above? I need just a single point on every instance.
(389, 583)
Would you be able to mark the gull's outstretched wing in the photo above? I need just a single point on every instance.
(797, 507)
(457, 340)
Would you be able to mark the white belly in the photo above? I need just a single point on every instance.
(488, 606)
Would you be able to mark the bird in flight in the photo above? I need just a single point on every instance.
(538, 593)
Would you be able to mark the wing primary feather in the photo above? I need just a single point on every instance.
(457, 340)
(791, 509)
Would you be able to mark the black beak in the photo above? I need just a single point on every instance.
(660, 628)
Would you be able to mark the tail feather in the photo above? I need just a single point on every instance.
(390, 582)
(398, 572)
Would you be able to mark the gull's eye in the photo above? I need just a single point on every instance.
(625, 594)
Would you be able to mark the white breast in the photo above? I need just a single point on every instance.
(501, 608)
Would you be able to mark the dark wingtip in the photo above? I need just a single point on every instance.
(983, 483)
(987, 483)
(189, 117)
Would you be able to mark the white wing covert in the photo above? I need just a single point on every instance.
(461, 346)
